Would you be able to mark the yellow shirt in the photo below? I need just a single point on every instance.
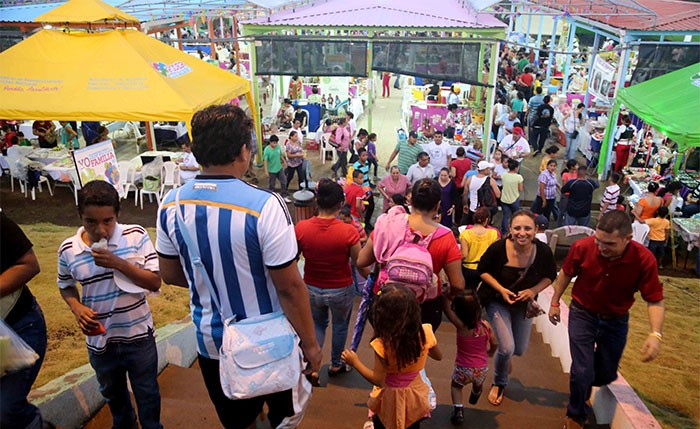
(657, 228)
(477, 245)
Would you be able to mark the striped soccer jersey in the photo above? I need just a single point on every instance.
(240, 231)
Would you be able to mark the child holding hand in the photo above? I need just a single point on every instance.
(475, 340)
(401, 347)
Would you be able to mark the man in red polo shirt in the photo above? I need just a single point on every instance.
(610, 269)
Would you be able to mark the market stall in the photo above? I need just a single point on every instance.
(669, 103)
(137, 77)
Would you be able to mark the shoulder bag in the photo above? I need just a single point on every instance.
(259, 355)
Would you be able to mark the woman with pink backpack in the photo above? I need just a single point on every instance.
(399, 241)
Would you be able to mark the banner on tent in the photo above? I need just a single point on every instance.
(98, 162)
(311, 58)
(602, 76)
(657, 60)
(458, 62)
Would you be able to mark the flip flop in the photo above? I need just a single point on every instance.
(496, 394)
(342, 369)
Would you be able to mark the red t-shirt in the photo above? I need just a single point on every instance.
(461, 167)
(325, 244)
(443, 250)
(527, 78)
(607, 286)
(352, 192)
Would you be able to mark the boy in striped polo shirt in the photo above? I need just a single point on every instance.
(115, 264)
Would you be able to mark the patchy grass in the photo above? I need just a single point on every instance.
(66, 344)
(669, 385)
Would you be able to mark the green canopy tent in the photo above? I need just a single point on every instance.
(669, 103)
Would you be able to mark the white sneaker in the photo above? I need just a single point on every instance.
(287, 200)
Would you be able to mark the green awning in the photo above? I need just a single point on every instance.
(669, 103)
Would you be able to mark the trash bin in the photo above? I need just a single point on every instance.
(304, 205)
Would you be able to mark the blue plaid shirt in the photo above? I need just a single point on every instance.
(550, 184)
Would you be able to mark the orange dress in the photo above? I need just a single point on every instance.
(404, 399)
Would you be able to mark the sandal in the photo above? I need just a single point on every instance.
(496, 394)
(342, 369)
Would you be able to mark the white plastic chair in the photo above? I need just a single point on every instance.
(15, 174)
(150, 196)
(640, 233)
(128, 171)
(75, 184)
(170, 176)
(24, 182)
(326, 148)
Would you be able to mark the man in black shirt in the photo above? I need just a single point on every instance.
(21, 312)
(540, 127)
(578, 210)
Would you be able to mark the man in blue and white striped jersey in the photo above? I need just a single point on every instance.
(246, 241)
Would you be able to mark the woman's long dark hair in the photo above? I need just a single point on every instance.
(397, 322)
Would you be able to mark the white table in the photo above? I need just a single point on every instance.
(180, 128)
(47, 156)
(136, 161)
(689, 230)
(60, 170)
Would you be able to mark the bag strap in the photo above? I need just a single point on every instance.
(523, 274)
(193, 252)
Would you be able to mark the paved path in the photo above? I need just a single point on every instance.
(535, 398)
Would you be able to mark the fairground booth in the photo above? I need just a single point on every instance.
(131, 78)
(332, 57)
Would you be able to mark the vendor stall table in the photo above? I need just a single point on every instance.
(47, 156)
(689, 229)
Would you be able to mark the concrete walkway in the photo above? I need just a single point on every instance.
(535, 398)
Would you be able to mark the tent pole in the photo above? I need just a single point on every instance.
(567, 64)
(608, 140)
(178, 31)
(596, 44)
(370, 81)
(253, 97)
(212, 45)
(490, 96)
(150, 136)
(551, 48)
(539, 42)
(236, 48)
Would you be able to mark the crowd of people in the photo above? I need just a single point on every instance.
(235, 247)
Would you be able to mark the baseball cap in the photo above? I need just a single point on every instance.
(483, 165)
(517, 130)
(540, 220)
(413, 134)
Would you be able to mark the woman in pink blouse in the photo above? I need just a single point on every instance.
(394, 183)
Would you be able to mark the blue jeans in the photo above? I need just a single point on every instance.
(339, 301)
(512, 330)
(140, 361)
(508, 210)
(596, 346)
(581, 221)
(15, 411)
(571, 145)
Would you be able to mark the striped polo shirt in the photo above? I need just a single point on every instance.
(125, 316)
(240, 231)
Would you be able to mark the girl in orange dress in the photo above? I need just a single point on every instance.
(401, 347)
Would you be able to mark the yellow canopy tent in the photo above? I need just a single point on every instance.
(111, 75)
(85, 11)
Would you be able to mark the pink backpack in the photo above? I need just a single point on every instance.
(403, 255)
